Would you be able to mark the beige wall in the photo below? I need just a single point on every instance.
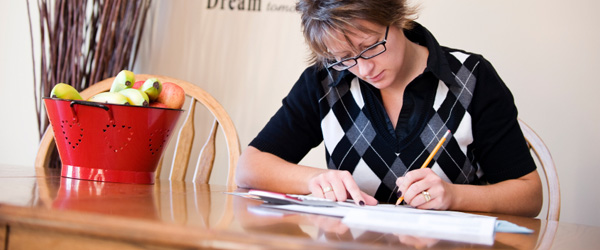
(546, 52)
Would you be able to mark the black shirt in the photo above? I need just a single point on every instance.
(458, 91)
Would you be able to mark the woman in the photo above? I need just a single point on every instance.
(380, 95)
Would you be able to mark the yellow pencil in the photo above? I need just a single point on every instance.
(437, 147)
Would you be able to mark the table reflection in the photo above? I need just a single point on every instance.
(209, 207)
(131, 200)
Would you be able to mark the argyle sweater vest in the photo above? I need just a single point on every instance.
(353, 143)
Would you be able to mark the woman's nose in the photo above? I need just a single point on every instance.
(365, 67)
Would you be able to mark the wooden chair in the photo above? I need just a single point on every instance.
(550, 175)
(184, 140)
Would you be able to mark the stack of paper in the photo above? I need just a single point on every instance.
(474, 229)
(447, 225)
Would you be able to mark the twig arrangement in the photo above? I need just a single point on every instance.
(83, 42)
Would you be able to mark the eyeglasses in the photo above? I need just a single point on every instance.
(370, 52)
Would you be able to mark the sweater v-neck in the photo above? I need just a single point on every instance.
(418, 98)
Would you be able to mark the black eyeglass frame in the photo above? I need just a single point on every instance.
(339, 65)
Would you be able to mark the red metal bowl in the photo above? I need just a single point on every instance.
(110, 142)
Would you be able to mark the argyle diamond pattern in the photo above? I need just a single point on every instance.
(354, 144)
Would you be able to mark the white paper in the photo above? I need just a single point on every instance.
(446, 225)
(473, 229)
(388, 218)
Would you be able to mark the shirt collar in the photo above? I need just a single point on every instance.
(436, 62)
(334, 77)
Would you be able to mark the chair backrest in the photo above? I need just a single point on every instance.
(544, 158)
(181, 156)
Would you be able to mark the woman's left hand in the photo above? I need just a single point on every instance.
(424, 189)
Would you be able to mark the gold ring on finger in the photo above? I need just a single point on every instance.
(327, 189)
(426, 196)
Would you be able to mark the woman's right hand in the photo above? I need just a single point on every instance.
(338, 185)
(417, 242)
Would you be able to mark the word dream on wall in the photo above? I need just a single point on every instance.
(252, 5)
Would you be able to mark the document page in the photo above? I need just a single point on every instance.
(387, 218)
(449, 226)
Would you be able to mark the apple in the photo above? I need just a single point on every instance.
(138, 84)
(158, 105)
(171, 95)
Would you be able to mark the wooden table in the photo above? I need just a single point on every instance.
(45, 211)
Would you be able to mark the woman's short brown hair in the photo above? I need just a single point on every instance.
(322, 18)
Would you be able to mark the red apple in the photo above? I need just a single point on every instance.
(158, 105)
(137, 84)
(172, 95)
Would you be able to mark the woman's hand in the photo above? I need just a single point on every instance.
(338, 185)
(521, 196)
(417, 242)
(328, 224)
(422, 188)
